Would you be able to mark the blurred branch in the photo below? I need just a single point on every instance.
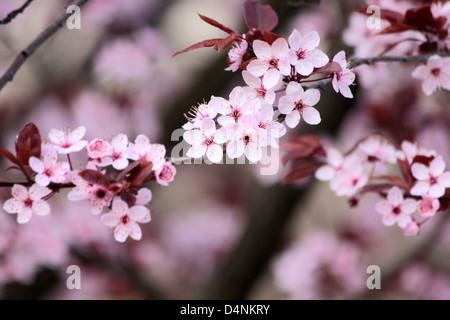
(300, 3)
(41, 38)
(355, 62)
(125, 270)
(10, 17)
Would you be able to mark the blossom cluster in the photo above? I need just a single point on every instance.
(407, 28)
(407, 200)
(254, 116)
(113, 176)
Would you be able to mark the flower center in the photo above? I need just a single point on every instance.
(246, 139)
(301, 55)
(274, 63)
(125, 219)
(396, 210)
(299, 105)
(235, 114)
(28, 202)
(48, 172)
(436, 72)
(208, 141)
(433, 180)
(101, 194)
(261, 92)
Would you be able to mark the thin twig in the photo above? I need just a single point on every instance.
(13, 14)
(41, 38)
(356, 62)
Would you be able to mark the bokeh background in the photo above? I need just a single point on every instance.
(218, 231)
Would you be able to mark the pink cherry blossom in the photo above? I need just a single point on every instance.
(395, 209)
(98, 196)
(26, 202)
(247, 138)
(125, 220)
(143, 197)
(271, 62)
(118, 152)
(143, 150)
(256, 88)
(428, 206)
(431, 180)
(231, 111)
(197, 114)
(435, 74)
(297, 103)
(68, 141)
(349, 179)
(207, 141)
(97, 150)
(411, 150)
(411, 229)
(264, 119)
(165, 174)
(379, 151)
(335, 162)
(303, 53)
(342, 80)
(236, 54)
(49, 170)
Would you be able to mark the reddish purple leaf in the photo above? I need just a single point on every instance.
(330, 67)
(28, 143)
(301, 170)
(140, 173)
(393, 17)
(216, 24)
(8, 155)
(95, 177)
(258, 16)
(218, 44)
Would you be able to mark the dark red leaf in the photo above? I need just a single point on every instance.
(393, 17)
(140, 173)
(258, 16)
(198, 45)
(428, 47)
(8, 155)
(225, 43)
(394, 29)
(330, 67)
(28, 143)
(216, 24)
(12, 168)
(422, 19)
(406, 172)
(218, 44)
(95, 177)
(301, 170)
(129, 196)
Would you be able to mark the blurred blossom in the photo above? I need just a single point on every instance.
(187, 248)
(420, 282)
(320, 267)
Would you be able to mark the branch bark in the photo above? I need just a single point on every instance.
(8, 76)
(13, 14)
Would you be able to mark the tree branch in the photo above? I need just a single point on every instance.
(13, 14)
(4, 184)
(356, 62)
(41, 38)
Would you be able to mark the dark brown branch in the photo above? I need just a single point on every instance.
(4, 184)
(13, 14)
(41, 38)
